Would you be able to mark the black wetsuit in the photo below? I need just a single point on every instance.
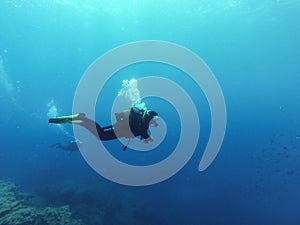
(138, 122)
(106, 133)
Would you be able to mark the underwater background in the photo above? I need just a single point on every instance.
(251, 46)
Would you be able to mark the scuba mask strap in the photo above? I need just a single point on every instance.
(144, 114)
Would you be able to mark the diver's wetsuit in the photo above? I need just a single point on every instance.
(130, 123)
(138, 122)
(105, 133)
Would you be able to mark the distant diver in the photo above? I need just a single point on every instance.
(71, 146)
(131, 123)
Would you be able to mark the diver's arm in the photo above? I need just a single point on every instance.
(147, 140)
(146, 137)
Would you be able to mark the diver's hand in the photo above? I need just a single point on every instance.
(153, 123)
(147, 140)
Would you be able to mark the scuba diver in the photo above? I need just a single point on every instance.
(71, 146)
(131, 123)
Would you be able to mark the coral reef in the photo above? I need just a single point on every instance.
(100, 203)
(15, 211)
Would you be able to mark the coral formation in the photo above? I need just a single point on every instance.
(15, 211)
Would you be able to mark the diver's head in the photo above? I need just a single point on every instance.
(153, 117)
(152, 113)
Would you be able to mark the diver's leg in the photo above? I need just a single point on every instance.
(106, 133)
(101, 133)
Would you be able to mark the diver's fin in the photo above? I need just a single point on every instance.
(76, 118)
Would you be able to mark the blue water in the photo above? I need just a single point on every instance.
(251, 46)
